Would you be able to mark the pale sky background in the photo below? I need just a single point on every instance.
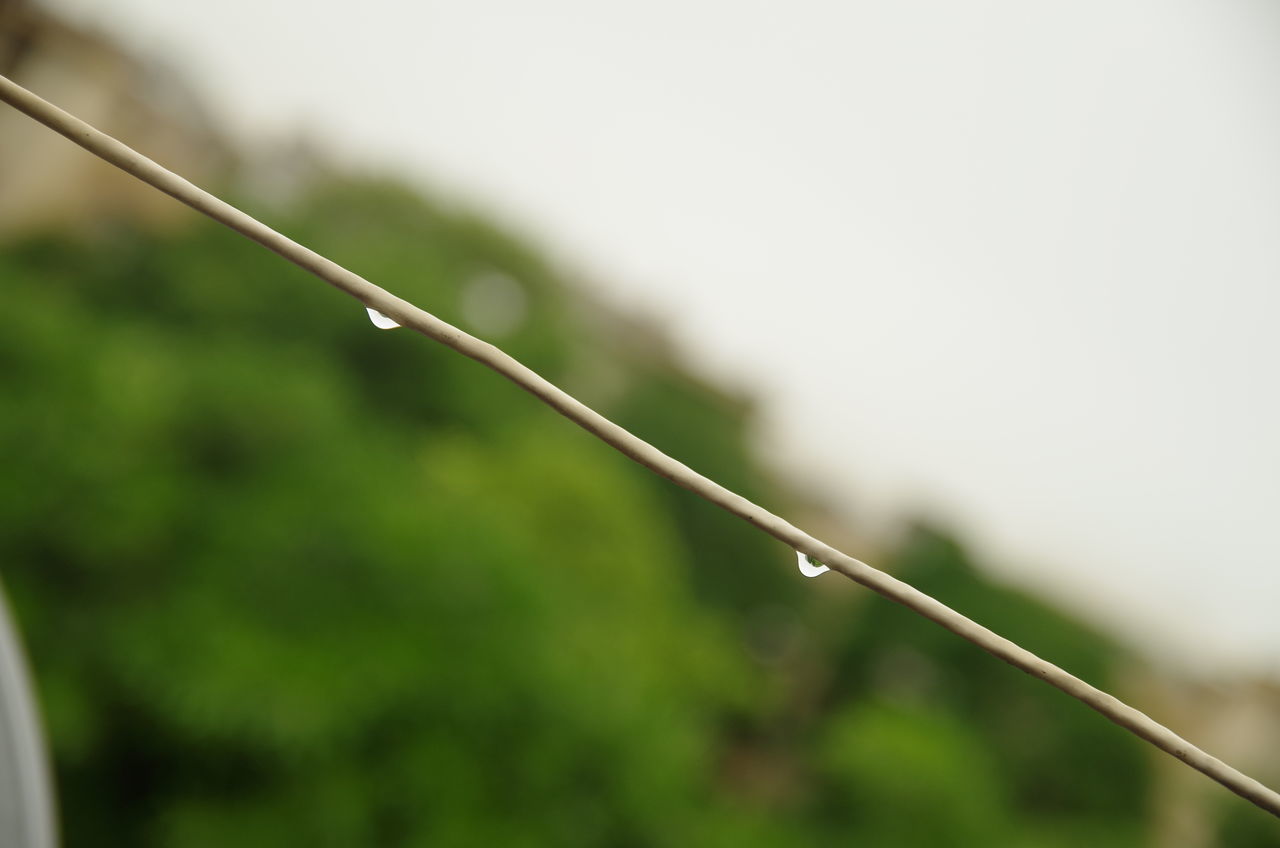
(1015, 265)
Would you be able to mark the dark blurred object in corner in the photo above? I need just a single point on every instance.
(26, 799)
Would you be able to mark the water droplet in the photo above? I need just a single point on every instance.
(379, 320)
(809, 566)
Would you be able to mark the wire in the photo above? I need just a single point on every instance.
(406, 314)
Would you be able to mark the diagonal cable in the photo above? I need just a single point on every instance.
(406, 314)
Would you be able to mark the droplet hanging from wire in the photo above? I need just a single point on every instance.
(809, 566)
(379, 320)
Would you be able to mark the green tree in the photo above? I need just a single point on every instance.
(288, 578)
(1063, 766)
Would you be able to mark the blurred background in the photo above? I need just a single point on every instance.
(982, 293)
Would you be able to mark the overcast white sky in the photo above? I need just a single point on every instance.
(1014, 264)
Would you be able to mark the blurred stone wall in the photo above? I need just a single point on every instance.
(48, 181)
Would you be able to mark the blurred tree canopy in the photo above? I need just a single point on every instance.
(287, 579)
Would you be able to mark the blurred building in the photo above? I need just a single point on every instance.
(45, 180)
(1237, 721)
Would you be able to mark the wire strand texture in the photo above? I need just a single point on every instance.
(407, 315)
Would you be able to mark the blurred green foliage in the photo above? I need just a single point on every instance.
(287, 579)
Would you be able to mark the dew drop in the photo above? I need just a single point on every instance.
(379, 320)
(809, 566)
